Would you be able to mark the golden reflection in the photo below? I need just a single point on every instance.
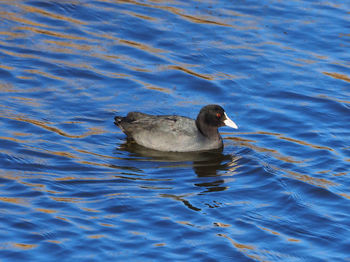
(293, 240)
(44, 125)
(305, 143)
(159, 244)
(106, 225)
(84, 47)
(235, 13)
(66, 199)
(25, 77)
(32, 184)
(29, 101)
(144, 17)
(138, 45)
(14, 200)
(333, 99)
(49, 33)
(24, 246)
(345, 195)
(186, 70)
(96, 236)
(246, 249)
(47, 211)
(340, 173)
(219, 224)
(320, 182)
(55, 153)
(306, 61)
(269, 230)
(66, 178)
(152, 87)
(63, 218)
(179, 12)
(70, 178)
(95, 154)
(7, 88)
(85, 162)
(338, 76)
(20, 141)
(222, 75)
(280, 136)
(38, 72)
(276, 154)
(90, 210)
(13, 34)
(7, 67)
(18, 54)
(186, 223)
(14, 17)
(196, 19)
(21, 134)
(241, 247)
(54, 241)
(137, 233)
(38, 187)
(141, 46)
(32, 9)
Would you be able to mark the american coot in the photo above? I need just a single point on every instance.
(173, 133)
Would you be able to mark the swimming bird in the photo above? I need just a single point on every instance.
(173, 133)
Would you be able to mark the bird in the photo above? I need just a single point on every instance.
(173, 133)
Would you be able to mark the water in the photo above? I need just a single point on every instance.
(73, 189)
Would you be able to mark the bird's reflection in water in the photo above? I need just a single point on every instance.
(204, 163)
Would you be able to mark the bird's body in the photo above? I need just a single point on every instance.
(176, 133)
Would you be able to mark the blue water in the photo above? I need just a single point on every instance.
(72, 187)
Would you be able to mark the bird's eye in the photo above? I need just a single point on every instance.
(218, 115)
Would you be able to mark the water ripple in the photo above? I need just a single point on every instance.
(72, 186)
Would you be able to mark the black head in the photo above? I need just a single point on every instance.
(210, 118)
(213, 115)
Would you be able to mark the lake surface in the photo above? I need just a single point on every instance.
(73, 189)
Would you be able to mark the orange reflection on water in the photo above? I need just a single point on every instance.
(47, 211)
(276, 154)
(219, 224)
(345, 195)
(320, 182)
(10, 53)
(31, 9)
(24, 246)
(241, 247)
(188, 71)
(83, 47)
(16, 17)
(48, 32)
(96, 236)
(338, 76)
(141, 16)
(45, 125)
(7, 67)
(12, 35)
(15, 200)
(270, 230)
(67, 199)
(27, 100)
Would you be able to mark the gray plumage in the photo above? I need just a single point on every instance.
(175, 133)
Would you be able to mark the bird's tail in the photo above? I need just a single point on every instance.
(118, 120)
